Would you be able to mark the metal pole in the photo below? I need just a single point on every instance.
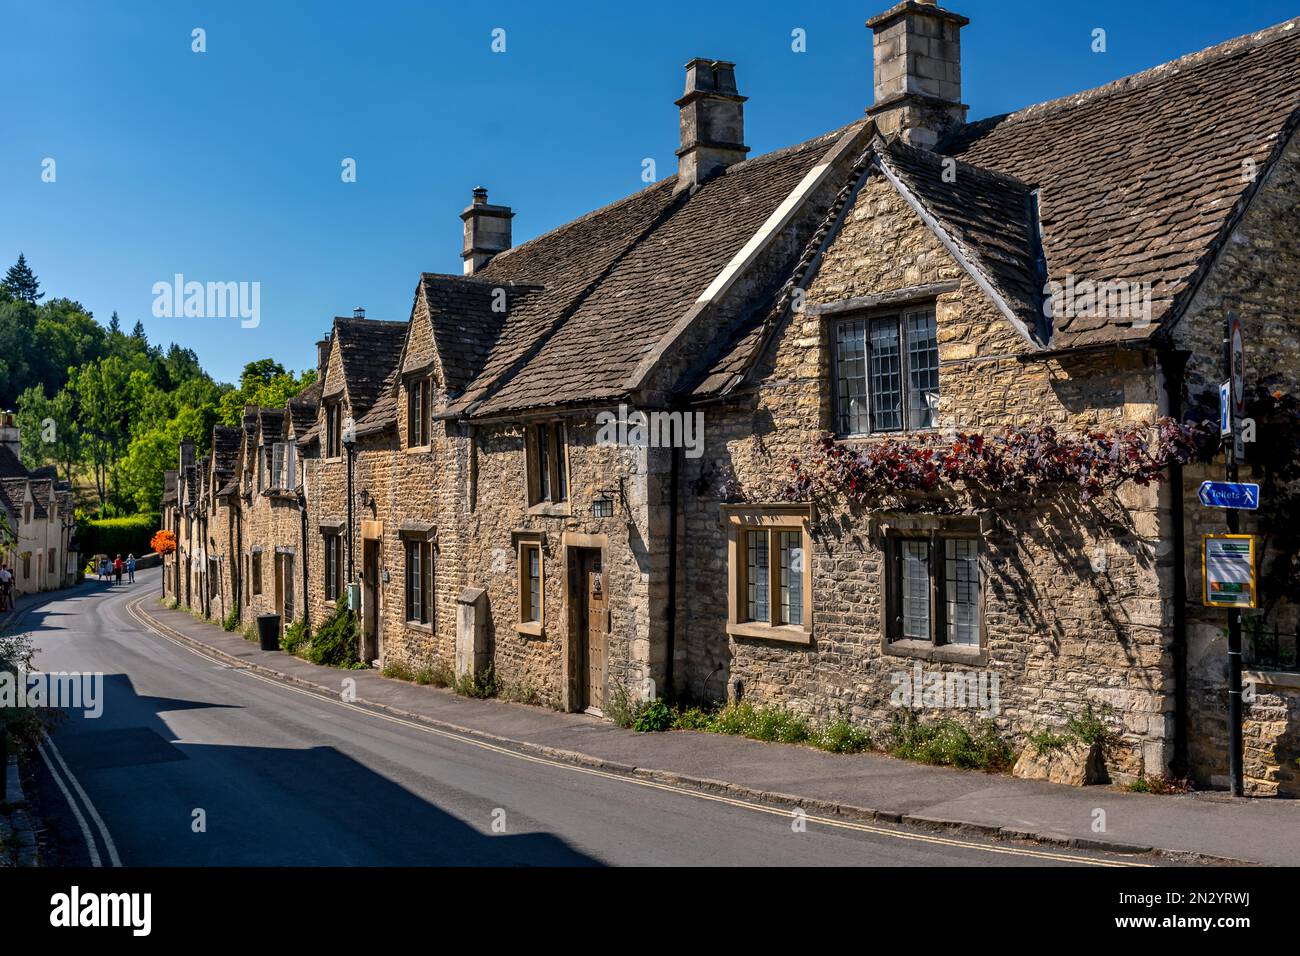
(1235, 746)
(350, 567)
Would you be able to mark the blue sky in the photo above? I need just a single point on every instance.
(225, 165)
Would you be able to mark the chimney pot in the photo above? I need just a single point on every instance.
(359, 312)
(487, 231)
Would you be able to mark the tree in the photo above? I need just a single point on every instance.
(104, 405)
(48, 429)
(264, 383)
(114, 324)
(21, 283)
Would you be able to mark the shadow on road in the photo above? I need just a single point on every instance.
(258, 805)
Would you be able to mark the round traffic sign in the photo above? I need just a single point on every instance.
(1237, 350)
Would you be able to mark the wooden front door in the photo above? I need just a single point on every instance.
(277, 569)
(594, 627)
(370, 592)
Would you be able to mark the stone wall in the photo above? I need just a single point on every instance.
(1073, 592)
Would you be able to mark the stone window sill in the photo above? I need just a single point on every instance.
(419, 449)
(783, 633)
(529, 628)
(553, 509)
(925, 651)
(864, 437)
(418, 626)
(1289, 679)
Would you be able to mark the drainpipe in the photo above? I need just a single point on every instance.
(350, 446)
(1174, 365)
(237, 572)
(671, 634)
(302, 538)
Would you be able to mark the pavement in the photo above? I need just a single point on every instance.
(1197, 827)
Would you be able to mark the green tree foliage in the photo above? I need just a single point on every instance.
(264, 383)
(106, 406)
(49, 430)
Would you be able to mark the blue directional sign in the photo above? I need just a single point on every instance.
(1229, 494)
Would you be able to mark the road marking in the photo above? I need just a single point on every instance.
(932, 839)
(90, 806)
(72, 804)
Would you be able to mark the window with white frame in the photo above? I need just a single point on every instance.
(283, 458)
(886, 372)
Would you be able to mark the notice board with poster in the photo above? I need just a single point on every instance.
(1228, 570)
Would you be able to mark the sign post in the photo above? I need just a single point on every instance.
(1234, 358)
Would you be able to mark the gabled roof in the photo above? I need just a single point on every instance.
(1141, 180)
(466, 315)
(988, 222)
(13, 493)
(368, 352)
(302, 410)
(617, 281)
(270, 423)
(225, 452)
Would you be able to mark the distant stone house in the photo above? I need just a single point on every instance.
(573, 462)
(37, 509)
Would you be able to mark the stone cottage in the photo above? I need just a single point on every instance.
(577, 463)
(37, 509)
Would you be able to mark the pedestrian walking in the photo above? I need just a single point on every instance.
(117, 568)
(130, 568)
(6, 588)
(103, 568)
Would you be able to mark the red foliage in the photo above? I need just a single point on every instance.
(163, 542)
(1015, 462)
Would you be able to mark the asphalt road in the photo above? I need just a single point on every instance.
(194, 763)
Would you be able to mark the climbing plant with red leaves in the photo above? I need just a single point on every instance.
(1015, 462)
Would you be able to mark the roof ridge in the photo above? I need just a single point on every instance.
(659, 183)
(926, 155)
(1196, 59)
(371, 323)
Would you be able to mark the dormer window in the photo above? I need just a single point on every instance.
(418, 413)
(283, 460)
(886, 372)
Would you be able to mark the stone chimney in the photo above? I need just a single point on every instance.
(186, 456)
(9, 434)
(712, 122)
(917, 52)
(487, 231)
(322, 353)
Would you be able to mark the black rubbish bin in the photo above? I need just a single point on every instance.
(268, 631)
